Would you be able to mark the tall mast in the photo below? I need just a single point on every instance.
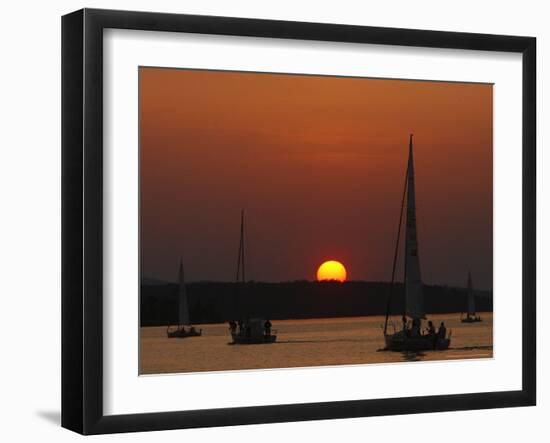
(413, 281)
(240, 277)
(471, 297)
(396, 251)
(240, 260)
(183, 307)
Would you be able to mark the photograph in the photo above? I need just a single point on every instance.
(274, 221)
(293, 220)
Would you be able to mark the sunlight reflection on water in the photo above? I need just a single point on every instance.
(312, 342)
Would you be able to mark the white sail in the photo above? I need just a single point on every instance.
(183, 307)
(471, 297)
(413, 281)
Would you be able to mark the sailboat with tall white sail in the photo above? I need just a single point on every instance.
(247, 330)
(411, 337)
(183, 312)
(471, 316)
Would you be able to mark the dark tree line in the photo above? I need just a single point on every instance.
(214, 302)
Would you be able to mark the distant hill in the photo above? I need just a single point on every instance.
(146, 281)
(214, 302)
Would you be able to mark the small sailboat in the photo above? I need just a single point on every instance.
(183, 312)
(471, 316)
(248, 331)
(411, 337)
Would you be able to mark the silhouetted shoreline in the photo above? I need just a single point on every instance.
(215, 302)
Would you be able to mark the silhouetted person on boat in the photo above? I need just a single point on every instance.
(267, 327)
(406, 330)
(432, 334)
(442, 332)
(415, 329)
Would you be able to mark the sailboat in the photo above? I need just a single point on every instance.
(471, 316)
(248, 331)
(183, 312)
(411, 338)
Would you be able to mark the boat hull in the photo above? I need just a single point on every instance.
(471, 320)
(239, 339)
(400, 342)
(178, 333)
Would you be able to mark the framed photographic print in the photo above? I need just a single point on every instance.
(269, 221)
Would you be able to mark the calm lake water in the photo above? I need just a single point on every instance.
(314, 342)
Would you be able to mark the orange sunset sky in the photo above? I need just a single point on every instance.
(318, 163)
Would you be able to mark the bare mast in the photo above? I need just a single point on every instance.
(240, 260)
(183, 305)
(240, 278)
(471, 297)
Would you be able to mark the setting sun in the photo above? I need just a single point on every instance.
(332, 270)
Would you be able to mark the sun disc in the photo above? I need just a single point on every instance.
(332, 270)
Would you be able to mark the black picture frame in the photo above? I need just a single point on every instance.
(82, 218)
